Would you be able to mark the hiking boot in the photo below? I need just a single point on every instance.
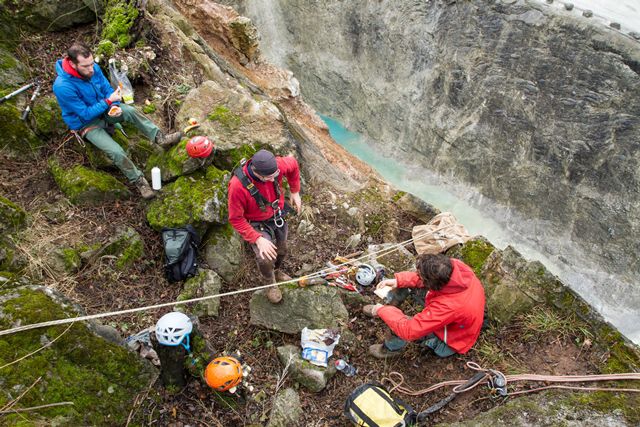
(281, 276)
(145, 189)
(370, 310)
(274, 295)
(379, 351)
(168, 141)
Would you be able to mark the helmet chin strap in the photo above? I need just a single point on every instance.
(186, 346)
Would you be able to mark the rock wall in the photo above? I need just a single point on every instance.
(535, 107)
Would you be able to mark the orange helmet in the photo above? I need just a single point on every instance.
(199, 146)
(223, 373)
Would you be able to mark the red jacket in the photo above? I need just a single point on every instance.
(243, 208)
(454, 313)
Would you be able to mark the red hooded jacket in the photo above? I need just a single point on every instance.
(243, 208)
(454, 313)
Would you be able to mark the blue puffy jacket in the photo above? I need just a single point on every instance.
(81, 100)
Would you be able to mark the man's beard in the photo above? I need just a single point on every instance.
(86, 75)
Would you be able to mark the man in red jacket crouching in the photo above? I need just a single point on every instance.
(453, 314)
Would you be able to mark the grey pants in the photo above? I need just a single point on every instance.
(278, 236)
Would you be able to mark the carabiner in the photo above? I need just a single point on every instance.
(278, 220)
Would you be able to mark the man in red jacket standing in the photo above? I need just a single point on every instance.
(453, 313)
(256, 211)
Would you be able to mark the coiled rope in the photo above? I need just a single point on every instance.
(319, 273)
(397, 384)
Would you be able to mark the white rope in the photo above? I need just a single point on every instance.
(382, 252)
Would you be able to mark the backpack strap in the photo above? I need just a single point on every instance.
(251, 188)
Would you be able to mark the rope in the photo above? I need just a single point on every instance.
(397, 385)
(319, 273)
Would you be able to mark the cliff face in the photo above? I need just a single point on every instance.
(536, 108)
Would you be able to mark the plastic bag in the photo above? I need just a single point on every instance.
(318, 345)
(118, 78)
(439, 234)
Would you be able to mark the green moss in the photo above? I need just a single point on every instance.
(474, 253)
(131, 254)
(48, 117)
(119, 17)
(71, 259)
(171, 163)
(16, 135)
(230, 159)
(82, 185)
(100, 378)
(149, 109)
(12, 216)
(106, 48)
(225, 117)
(196, 199)
(606, 402)
(398, 195)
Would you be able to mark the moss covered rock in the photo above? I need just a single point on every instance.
(50, 15)
(11, 259)
(48, 118)
(12, 72)
(119, 18)
(199, 199)
(223, 251)
(474, 253)
(86, 186)
(205, 283)
(237, 123)
(175, 162)
(126, 245)
(15, 135)
(12, 216)
(100, 378)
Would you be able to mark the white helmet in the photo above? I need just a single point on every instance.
(172, 328)
(365, 275)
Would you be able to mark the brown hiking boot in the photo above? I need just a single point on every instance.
(379, 351)
(168, 141)
(145, 189)
(274, 295)
(281, 276)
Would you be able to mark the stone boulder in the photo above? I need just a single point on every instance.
(513, 286)
(86, 186)
(13, 73)
(417, 208)
(15, 135)
(237, 123)
(314, 307)
(199, 199)
(286, 410)
(48, 118)
(245, 38)
(102, 379)
(223, 251)
(313, 378)
(51, 15)
(12, 216)
(126, 245)
(205, 283)
(399, 259)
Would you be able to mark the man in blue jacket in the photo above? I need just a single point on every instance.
(85, 96)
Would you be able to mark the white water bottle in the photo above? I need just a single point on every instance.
(348, 370)
(156, 179)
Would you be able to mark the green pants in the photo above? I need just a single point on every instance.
(103, 141)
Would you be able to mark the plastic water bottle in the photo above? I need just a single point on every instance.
(156, 179)
(348, 370)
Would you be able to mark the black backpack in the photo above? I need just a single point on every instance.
(180, 252)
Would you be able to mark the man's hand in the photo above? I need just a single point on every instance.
(266, 249)
(296, 201)
(392, 283)
(115, 96)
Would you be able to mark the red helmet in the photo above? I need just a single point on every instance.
(223, 373)
(199, 146)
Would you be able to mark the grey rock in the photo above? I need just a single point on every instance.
(205, 283)
(313, 307)
(313, 378)
(615, 25)
(286, 410)
(223, 251)
(568, 6)
(416, 207)
(353, 240)
(394, 259)
(587, 13)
